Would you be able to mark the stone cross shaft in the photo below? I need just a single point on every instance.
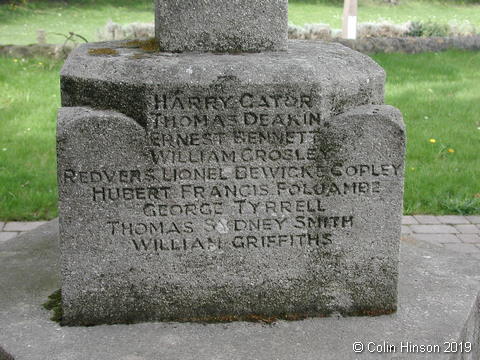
(221, 25)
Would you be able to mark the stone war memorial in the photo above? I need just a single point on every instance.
(221, 172)
(227, 194)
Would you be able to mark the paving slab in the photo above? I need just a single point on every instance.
(467, 229)
(433, 229)
(437, 239)
(4, 236)
(406, 229)
(427, 219)
(409, 220)
(453, 219)
(22, 226)
(438, 302)
(469, 238)
(463, 248)
(473, 219)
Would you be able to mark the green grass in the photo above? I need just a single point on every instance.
(437, 93)
(29, 99)
(18, 24)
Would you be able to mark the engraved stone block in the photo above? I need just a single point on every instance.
(222, 26)
(214, 187)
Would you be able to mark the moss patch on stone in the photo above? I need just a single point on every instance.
(54, 303)
(102, 51)
(255, 318)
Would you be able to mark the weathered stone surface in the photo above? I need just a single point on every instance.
(224, 186)
(339, 78)
(223, 26)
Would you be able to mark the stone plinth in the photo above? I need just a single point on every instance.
(218, 187)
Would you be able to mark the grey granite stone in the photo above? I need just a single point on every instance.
(205, 186)
(438, 303)
(335, 77)
(221, 25)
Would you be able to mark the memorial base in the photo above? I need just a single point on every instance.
(202, 186)
(438, 306)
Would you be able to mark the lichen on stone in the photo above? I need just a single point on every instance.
(148, 45)
(102, 51)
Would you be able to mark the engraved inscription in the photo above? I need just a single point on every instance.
(245, 172)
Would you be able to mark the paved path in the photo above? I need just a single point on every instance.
(9, 230)
(458, 233)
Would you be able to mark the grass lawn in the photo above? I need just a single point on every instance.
(18, 25)
(437, 93)
(308, 12)
(29, 99)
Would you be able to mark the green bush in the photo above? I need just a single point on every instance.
(428, 29)
(416, 29)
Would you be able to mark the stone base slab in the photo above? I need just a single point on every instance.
(438, 303)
